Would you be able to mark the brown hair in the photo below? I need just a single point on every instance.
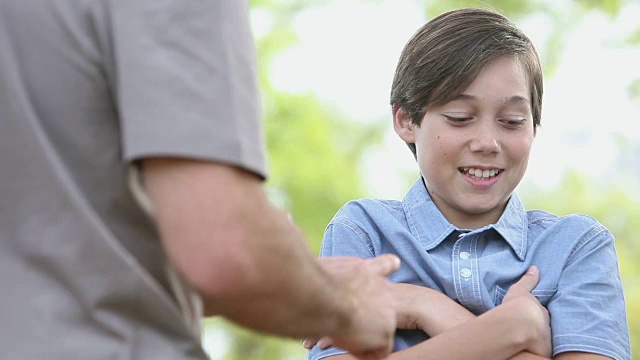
(447, 53)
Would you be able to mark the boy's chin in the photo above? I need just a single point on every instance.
(487, 211)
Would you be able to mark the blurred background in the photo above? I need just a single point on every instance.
(326, 68)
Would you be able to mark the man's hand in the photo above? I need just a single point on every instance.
(408, 303)
(536, 315)
(373, 324)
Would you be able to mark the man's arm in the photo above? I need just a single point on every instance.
(252, 264)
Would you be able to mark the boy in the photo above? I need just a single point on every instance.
(466, 98)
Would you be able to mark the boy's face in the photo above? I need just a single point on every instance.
(474, 150)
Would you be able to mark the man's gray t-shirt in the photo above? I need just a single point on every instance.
(86, 89)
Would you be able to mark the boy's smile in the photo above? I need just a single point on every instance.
(480, 175)
(473, 151)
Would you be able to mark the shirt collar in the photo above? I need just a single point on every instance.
(513, 226)
(430, 227)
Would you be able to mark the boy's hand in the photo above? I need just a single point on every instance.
(409, 301)
(535, 315)
(429, 310)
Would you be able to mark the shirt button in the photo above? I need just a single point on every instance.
(465, 255)
(466, 273)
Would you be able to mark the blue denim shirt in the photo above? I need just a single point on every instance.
(579, 276)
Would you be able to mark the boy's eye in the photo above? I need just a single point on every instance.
(458, 119)
(513, 122)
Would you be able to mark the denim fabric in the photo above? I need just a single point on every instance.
(579, 283)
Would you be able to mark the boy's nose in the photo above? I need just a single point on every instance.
(485, 140)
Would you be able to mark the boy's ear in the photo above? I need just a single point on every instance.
(403, 125)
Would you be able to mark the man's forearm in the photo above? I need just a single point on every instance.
(241, 253)
(289, 305)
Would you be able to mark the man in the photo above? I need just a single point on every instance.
(131, 191)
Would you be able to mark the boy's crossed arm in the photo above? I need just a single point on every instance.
(518, 329)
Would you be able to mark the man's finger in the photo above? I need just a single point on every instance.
(308, 343)
(338, 261)
(529, 280)
(384, 264)
(325, 342)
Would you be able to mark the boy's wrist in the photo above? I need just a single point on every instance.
(439, 313)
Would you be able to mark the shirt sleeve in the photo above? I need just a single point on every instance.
(343, 237)
(185, 81)
(588, 311)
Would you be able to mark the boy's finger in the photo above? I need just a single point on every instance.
(529, 280)
(384, 264)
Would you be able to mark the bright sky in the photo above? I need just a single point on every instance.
(348, 52)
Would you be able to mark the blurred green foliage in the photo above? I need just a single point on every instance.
(315, 152)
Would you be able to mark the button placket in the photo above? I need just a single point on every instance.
(465, 270)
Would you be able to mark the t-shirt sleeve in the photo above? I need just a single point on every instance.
(185, 81)
(588, 310)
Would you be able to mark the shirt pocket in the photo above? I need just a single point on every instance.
(543, 295)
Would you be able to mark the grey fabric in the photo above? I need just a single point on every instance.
(87, 87)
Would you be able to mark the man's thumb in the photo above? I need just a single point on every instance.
(529, 280)
(384, 264)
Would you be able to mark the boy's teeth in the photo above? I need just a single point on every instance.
(481, 173)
